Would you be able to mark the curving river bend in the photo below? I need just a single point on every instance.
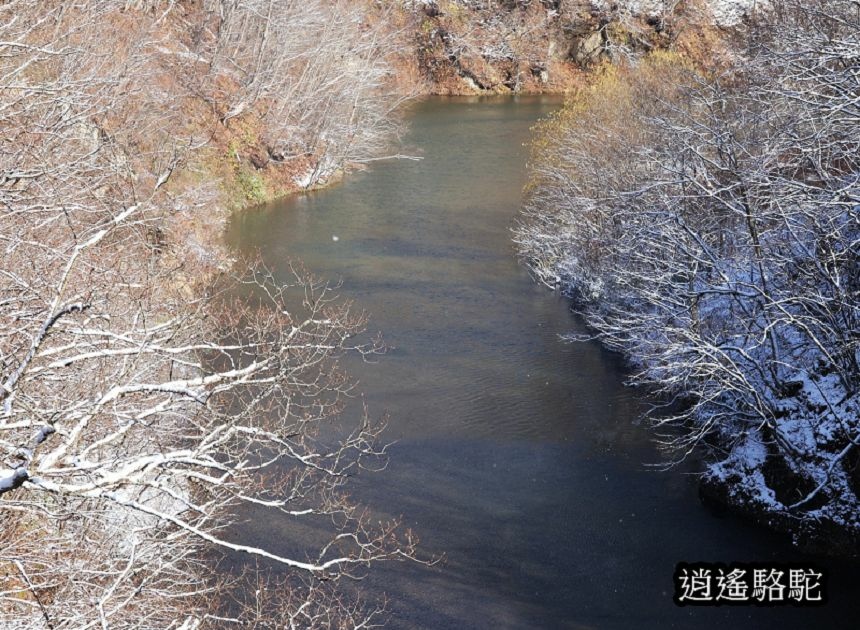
(518, 455)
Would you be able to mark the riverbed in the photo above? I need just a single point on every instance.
(518, 455)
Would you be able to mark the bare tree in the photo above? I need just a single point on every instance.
(318, 75)
(141, 417)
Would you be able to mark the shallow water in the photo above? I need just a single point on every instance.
(517, 454)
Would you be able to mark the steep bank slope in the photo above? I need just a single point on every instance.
(468, 47)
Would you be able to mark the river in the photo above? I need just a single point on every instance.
(518, 455)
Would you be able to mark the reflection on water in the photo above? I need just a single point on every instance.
(517, 455)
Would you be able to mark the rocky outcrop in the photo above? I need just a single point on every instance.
(518, 46)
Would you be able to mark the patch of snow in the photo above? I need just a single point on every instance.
(743, 468)
(732, 12)
(726, 13)
(12, 478)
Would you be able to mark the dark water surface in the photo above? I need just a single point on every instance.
(518, 455)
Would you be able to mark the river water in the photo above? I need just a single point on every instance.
(518, 455)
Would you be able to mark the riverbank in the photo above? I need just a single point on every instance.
(451, 47)
(670, 202)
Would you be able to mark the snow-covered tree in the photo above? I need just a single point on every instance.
(708, 226)
(141, 417)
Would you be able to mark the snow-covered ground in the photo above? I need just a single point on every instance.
(726, 12)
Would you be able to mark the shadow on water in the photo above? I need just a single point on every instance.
(517, 454)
